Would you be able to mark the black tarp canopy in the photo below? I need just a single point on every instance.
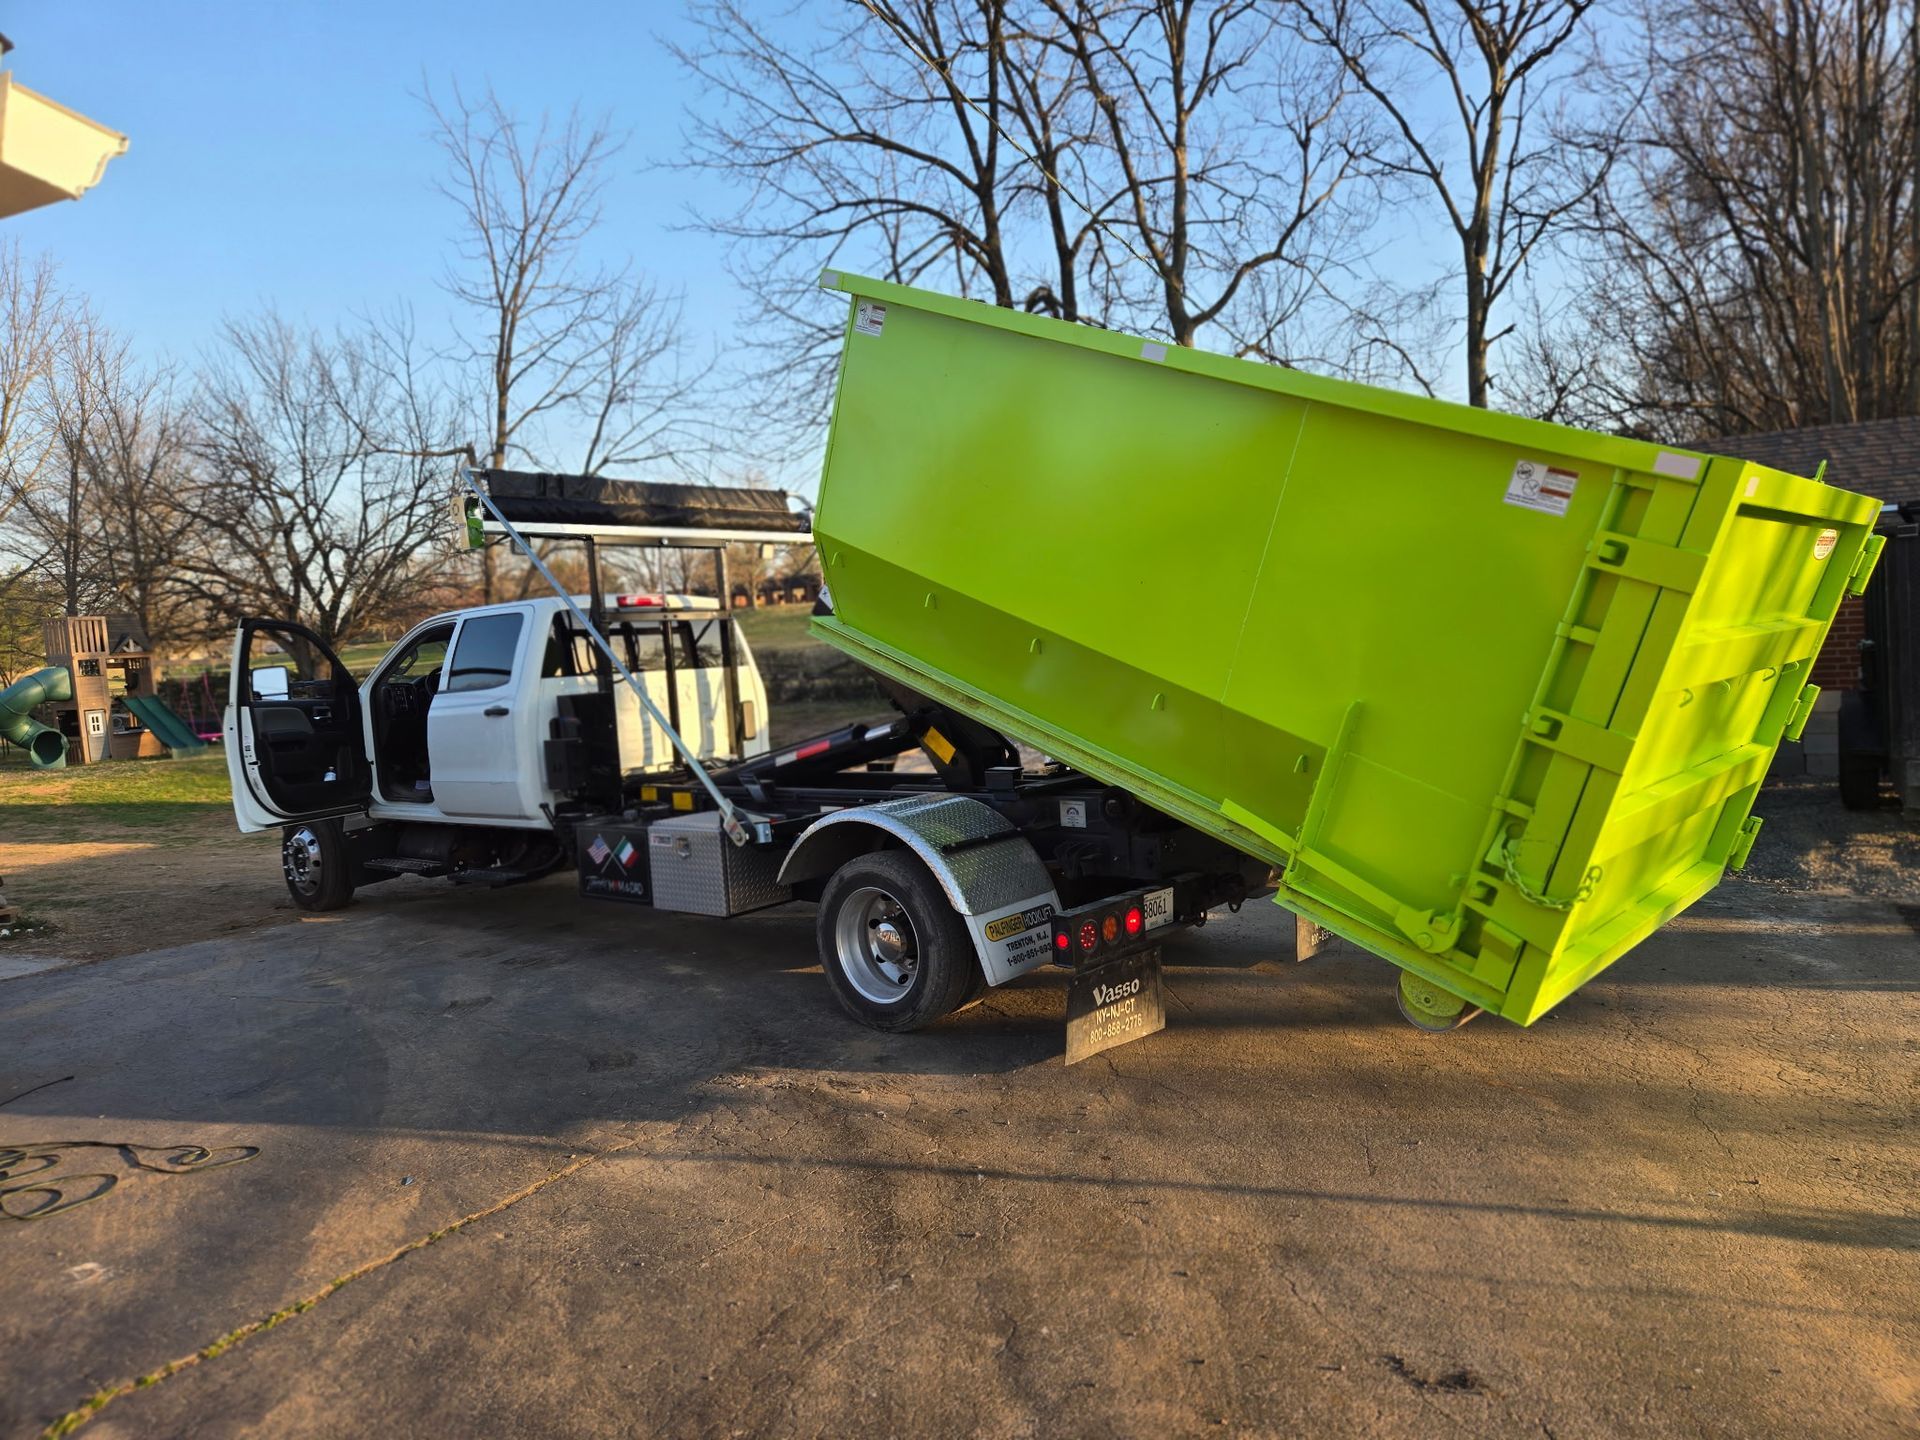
(583, 504)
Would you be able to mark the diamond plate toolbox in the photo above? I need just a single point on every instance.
(697, 870)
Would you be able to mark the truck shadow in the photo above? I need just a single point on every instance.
(471, 1043)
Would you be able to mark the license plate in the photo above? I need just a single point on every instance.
(1158, 907)
(1114, 1003)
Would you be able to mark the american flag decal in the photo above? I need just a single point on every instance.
(598, 851)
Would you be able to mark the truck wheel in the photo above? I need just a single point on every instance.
(1859, 781)
(895, 953)
(314, 859)
(1425, 1006)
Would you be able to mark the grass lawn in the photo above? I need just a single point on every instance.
(145, 793)
(781, 628)
(107, 859)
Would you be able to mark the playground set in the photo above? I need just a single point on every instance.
(96, 698)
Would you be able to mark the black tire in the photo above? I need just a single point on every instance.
(314, 860)
(923, 970)
(1862, 748)
(1859, 781)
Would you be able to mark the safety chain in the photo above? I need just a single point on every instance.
(1511, 870)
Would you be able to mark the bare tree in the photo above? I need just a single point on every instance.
(1758, 264)
(89, 366)
(879, 140)
(319, 494)
(138, 469)
(1230, 147)
(1501, 176)
(1170, 165)
(91, 462)
(34, 315)
(551, 338)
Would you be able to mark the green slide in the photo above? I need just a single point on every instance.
(157, 717)
(45, 746)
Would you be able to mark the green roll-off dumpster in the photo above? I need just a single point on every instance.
(1494, 696)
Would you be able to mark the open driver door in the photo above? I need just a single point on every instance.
(295, 737)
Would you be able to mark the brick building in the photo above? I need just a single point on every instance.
(1875, 457)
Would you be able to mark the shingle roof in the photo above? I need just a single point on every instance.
(124, 633)
(1875, 457)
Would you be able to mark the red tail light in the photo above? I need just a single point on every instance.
(1061, 942)
(1089, 937)
(1135, 920)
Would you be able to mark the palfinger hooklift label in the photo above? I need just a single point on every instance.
(1013, 943)
(1537, 485)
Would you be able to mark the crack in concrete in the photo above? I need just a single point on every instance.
(89, 1408)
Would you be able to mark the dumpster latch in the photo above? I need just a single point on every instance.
(1743, 843)
(1667, 566)
(1582, 739)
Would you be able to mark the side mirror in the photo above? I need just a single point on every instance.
(269, 682)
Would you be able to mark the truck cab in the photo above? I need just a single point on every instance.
(451, 726)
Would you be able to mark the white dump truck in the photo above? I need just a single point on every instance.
(625, 736)
(448, 730)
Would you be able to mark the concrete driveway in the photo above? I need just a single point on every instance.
(527, 1166)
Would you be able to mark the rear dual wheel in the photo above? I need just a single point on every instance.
(895, 954)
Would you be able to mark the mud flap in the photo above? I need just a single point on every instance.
(1110, 1004)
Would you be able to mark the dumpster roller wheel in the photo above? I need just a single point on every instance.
(1428, 1007)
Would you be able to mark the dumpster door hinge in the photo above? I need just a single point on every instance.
(1863, 564)
(1802, 708)
(1429, 929)
(1743, 843)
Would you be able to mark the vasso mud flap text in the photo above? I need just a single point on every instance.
(1114, 1003)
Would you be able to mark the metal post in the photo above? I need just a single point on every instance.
(597, 613)
(733, 686)
(735, 726)
(667, 637)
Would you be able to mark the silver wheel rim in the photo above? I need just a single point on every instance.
(875, 943)
(300, 858)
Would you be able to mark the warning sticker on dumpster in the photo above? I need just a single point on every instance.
(1538, 486)
(869, 318)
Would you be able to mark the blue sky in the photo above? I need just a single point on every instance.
(279, 156)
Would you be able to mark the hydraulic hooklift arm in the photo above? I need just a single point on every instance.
(740, 825)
